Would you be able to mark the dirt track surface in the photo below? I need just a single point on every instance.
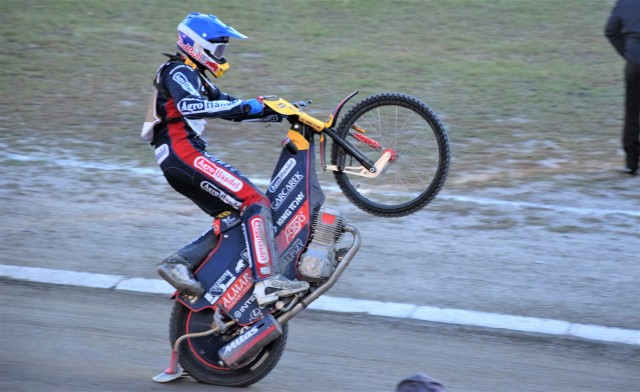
(570, 254)
(85, 342)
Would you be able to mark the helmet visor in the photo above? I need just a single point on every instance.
(216, 49)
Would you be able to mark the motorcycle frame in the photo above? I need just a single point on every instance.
(296, 197)
(297, 216)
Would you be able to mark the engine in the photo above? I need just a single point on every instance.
(319, 261)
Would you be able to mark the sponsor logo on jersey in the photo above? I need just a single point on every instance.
(182, 80)
(193, 105)
(231, 220)
(255, 313)
(282, 174)
(213, 190)
(190, 106)
(219, 105)
(221, 176)
(162, 153)
(245, 256)
(244, 307)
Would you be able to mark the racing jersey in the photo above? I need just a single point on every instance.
(195, 98)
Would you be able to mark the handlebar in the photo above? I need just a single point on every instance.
(290, 110)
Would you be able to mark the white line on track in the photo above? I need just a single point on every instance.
(154, 171)
(347, 305)
(524, 204)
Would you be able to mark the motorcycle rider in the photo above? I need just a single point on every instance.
(184, 99)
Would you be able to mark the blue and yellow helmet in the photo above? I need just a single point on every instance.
(203, 37)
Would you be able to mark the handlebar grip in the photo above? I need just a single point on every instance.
(300, 104)
(290, 146)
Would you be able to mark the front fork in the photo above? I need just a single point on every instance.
(368, 168)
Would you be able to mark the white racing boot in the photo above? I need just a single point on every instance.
(178, 272)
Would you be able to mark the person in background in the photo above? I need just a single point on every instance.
(420, 382)
(623, 31)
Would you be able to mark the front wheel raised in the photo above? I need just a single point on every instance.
(413, 134)
(199, 356)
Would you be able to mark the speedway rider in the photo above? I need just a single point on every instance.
(184, 99)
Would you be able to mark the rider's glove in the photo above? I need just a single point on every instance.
(252, 106)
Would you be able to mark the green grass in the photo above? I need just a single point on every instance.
(501, 73)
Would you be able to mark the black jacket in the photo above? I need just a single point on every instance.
(623, 29)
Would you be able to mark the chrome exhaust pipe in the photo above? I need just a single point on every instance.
(308, 299)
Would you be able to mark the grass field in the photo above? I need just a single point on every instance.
(527, 89)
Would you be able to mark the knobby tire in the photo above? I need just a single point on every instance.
(418, 172)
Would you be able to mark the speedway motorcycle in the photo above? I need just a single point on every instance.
(390, 157)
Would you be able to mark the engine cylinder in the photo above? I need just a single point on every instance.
(318, 262)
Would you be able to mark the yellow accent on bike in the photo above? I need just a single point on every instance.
(298, 140)
(357, 128)
(329, 121)
(285, 108)
(313, 122)
(281, 106)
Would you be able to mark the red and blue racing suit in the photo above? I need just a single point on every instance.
(185, 99)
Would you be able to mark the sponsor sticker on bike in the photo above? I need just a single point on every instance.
(220, 286)
(240, 265)
(293, 228)
(292, 253)
(255, 312)
(260, 245)
(290, 209)
(282, 174)
(282, 195)
(237, 290)
(240, 339)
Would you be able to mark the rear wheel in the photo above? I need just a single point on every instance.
(419, 147)
(199, 356)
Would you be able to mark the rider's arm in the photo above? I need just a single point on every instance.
(184, 85)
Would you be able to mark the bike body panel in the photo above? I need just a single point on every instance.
(295, 195)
